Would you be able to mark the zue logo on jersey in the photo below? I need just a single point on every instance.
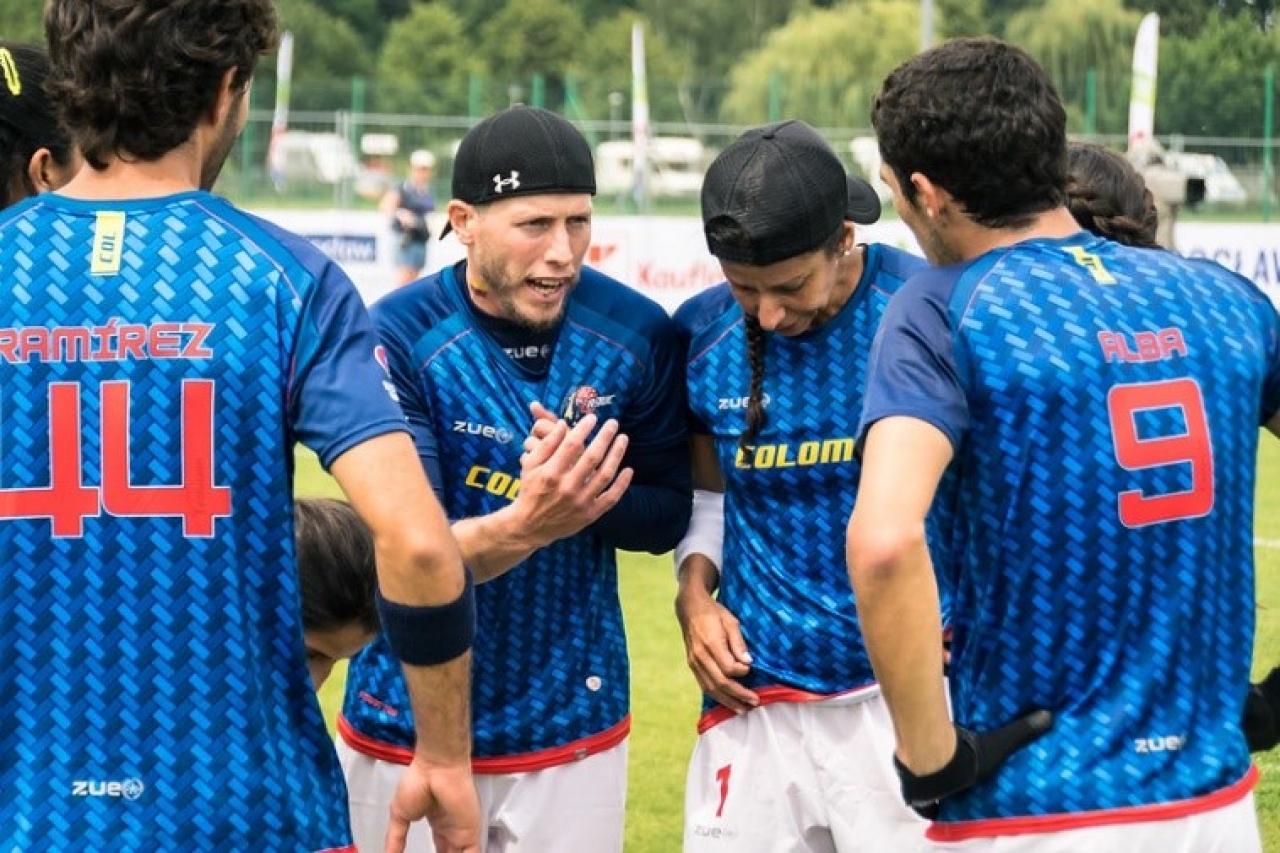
(583, 401)
(127, 789)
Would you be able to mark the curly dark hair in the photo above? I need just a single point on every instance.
(337, 570)
(1107, 196)
(981, 119)
(131, 78)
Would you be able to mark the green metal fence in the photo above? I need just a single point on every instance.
(1226, 122)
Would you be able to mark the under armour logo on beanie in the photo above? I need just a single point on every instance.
(510, 184)
(521, 151)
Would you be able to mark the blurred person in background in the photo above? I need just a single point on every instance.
(408, 206)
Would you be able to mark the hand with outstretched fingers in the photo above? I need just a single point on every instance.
(570, 477)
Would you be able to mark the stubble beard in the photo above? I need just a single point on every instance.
(503, 291)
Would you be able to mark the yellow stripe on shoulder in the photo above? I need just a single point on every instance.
(108, 243)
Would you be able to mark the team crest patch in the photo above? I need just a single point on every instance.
(380, 356)
(583, 401)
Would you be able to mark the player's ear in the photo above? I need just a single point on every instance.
(40, 170)
(226, 100)
(462, 220)
(931, 199)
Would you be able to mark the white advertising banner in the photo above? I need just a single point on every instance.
(666, 257)
(1251, 249)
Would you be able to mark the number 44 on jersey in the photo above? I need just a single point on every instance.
(68, 500)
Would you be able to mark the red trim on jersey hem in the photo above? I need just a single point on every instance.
(350, 849)
(1040, 824)
(773, 695)
(522, 763)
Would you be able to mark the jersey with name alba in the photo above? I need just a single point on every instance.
(1104, 403)
(550, 680)
(158, 359)
(788, 498)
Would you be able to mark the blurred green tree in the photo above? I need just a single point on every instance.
(821, 67)
(533, 37)
(426, 64)
(1071, 38)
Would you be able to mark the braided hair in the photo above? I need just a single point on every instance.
(755, 400)
(1107, 196)
(756, 340)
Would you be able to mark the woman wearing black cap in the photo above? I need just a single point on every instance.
(36, 155)
(776, 359)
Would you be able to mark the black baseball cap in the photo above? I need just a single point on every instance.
(787, 191)
(521, 151)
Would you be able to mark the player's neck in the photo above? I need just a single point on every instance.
(173, 173)
(972, 240)
(848, 277)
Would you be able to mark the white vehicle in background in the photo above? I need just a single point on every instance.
(675, 165)
(866, 153)
(302, 157)
(1220, 185)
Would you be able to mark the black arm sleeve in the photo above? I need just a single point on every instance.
(653, 515)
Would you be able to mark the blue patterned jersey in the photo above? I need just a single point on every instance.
(787, 503)
(158, 358)
(1104, 404)
(549, 673)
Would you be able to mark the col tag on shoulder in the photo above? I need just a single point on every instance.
(1093, 264)
(108, 243)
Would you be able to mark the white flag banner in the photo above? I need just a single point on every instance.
(1142, 98)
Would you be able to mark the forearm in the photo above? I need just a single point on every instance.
(697, 575)
(429, 619)
(426, 605)
(697, 580)
(650, 518)
(653, 513)
(492, 544)
(898, 612)
(441, 710)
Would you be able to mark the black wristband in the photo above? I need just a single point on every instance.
(976, 759)
(956, 775)
(430, 635)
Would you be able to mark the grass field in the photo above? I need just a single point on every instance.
(665, 700)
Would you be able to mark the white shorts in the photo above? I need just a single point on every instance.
(816, 777)
(1230, 829)
(577, 806)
